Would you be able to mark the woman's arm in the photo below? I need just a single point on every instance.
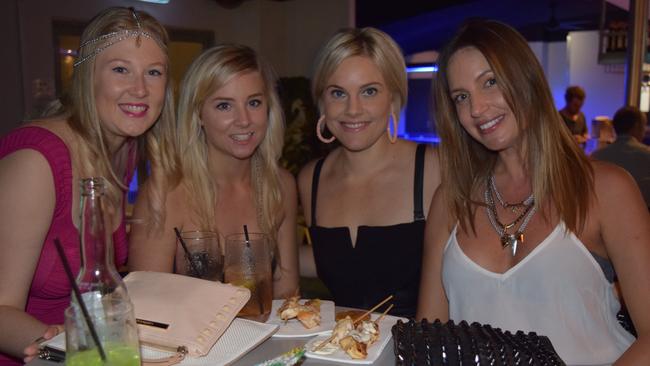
(431, 174)
(285, 281)
(153, 248)
(28, 199)
(432, 300)
(307, 263)
(625, 228)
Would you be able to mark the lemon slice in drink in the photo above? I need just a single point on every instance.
(248, 283)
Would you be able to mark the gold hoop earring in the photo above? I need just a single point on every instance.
(392, 137)
(319, 132)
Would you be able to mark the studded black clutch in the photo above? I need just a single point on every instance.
(432, 344)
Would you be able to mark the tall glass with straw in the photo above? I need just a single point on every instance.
(108, 308)
(248, 264)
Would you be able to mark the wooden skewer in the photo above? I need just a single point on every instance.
(384, 314)
(328, 340)
(371, 310)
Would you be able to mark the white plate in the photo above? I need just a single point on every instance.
(294, 329)
(374, 350)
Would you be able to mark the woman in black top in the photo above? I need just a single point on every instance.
(364, 201)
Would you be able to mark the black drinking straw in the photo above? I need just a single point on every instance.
(187, 252)
(77, 295)
(248, 239)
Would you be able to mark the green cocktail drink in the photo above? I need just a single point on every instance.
(116, 330)
(116, 355)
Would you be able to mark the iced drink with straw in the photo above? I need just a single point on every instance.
(248, 264)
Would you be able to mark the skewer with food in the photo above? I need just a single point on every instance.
(354, 337)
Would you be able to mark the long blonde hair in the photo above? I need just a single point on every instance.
(83, 115)
(209, 72)
(369, 42)
(560, 171)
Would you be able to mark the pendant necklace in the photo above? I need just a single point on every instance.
(517, 238)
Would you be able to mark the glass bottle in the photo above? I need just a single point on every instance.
(98, 279)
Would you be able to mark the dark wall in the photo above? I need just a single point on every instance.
(11, 90)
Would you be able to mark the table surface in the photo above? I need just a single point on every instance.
(273, 347)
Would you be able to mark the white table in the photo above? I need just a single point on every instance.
(273, 347)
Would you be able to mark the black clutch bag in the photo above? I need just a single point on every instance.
(423, 343)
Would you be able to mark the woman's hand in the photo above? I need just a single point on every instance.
(33, 348)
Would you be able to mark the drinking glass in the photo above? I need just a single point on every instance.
(115, 325)
(205, 259)
(248, 264)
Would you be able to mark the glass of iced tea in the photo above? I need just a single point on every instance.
(248, 264)
(115, 326)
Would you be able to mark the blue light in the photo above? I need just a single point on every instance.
(432, 68)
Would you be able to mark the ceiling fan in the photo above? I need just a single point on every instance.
(553, 24)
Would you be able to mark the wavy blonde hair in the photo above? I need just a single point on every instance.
(84, 117)
(369, 42)
(560, 171)
(208, 73)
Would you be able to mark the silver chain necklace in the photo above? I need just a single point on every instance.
(512, 206)
(507, 239)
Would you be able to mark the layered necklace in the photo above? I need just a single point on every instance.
(525, 207)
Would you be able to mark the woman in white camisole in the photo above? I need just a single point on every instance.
(525, 233)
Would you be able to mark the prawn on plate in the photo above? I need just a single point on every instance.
(308, 314)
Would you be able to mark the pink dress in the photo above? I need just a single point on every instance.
(50, 291)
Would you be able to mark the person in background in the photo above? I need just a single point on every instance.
(627, 151)
(572, 115)
(120, 89)
(230, 130)
(525, 232)
(365, 201)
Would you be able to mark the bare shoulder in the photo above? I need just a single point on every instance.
(430, 153)
(611, 181)
(288, 183)
(287, 179)
(305, 175)
(433, 155)
(26, 178)
(439, 212)
(617, 196)
(26, 165)
(432, 164)
(28, 195)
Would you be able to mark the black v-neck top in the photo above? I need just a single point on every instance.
(386, 260)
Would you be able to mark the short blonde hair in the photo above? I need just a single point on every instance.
(368, 42)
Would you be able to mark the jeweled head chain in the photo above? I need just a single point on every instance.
(114, 37)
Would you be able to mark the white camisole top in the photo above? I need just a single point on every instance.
(558, 290)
